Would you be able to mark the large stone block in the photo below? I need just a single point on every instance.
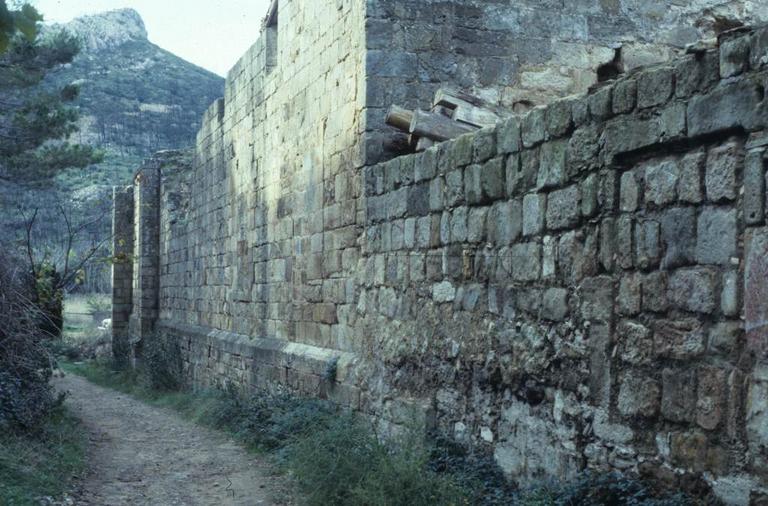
(505, 222)
(757, 417)
(635, 343)
(534, 212)
(638, 396)
(756, 291)
(710, 397)
(655, 87)
(681, 339)
(678, 400)
(754, 188)
(525, 261)
(553, 164)
(597, 298)
(689, 187)
(627, 134)
(723, 163)
(661, 181)
(732, 105)
(694, 289)
(508, 136)
(696, 73)
(629, 192)
(534, 127)
(678, 234)
(734, 56)
(563, 208)
(624, 96)
(717, 236)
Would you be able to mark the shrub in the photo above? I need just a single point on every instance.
(162, 364)
(344, 463)
(25, 365)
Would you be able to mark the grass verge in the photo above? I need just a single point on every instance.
(41, 464)
(336, 458)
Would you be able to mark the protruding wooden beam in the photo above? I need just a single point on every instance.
(399, 118)
(437, 127)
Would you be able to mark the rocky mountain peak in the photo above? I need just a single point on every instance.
(109, 29)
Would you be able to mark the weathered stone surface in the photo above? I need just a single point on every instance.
(554, 304)
(734, 56)
(647, 243)
(589, 192)
(694, 289)
(678, 400)
(484, 183)
(443, 292)
(454, 187)
(724, 337)
(534, 213)
(696, 73)
(627, 134)
(756, 291)
(638, 396)
(508, 136)
(655, 87)
(601, 104)
(563, 208)
(629, 295)
(635, 343)
(597, 298)
(624, 96)
(723, 162)
(505, 222)
(534, 128)
(689, 187)
(630, 192)
(678, 234)
(727, 106)
(716, 238)
(710, 397)
(661, 180)
(757, 416)
(552, 168)
(678, 339)
(484, 145)
(526, 261)
(730, 303)
(754, 188)
(559, 118)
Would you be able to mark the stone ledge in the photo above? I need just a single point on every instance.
(310, 359)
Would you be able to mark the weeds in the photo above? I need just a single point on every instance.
(336, 458)
(43, 462)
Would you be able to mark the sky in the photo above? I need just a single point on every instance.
(210, 33)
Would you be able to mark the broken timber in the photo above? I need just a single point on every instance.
(453, 113)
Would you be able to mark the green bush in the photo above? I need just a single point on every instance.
(43, 462)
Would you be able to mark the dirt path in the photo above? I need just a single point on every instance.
(143, 455)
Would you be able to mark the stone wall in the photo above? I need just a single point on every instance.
(571, 289)
(122, 272)
(575, 288)
(528, 52)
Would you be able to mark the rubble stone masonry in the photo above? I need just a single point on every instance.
(581, 287)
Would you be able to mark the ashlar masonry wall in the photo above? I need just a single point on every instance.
(581, 287)
(585, 287)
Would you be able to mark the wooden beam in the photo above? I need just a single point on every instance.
(399, 118)
(437, 127)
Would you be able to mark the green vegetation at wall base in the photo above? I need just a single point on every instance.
(43, 463)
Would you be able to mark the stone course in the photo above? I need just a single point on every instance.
(582, 287)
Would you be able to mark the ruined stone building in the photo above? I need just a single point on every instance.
(583, 285)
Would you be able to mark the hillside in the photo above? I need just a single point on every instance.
(135, 98)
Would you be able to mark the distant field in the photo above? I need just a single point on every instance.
(79, 324)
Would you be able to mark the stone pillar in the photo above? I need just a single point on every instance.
(122, 272)
(146, 254)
